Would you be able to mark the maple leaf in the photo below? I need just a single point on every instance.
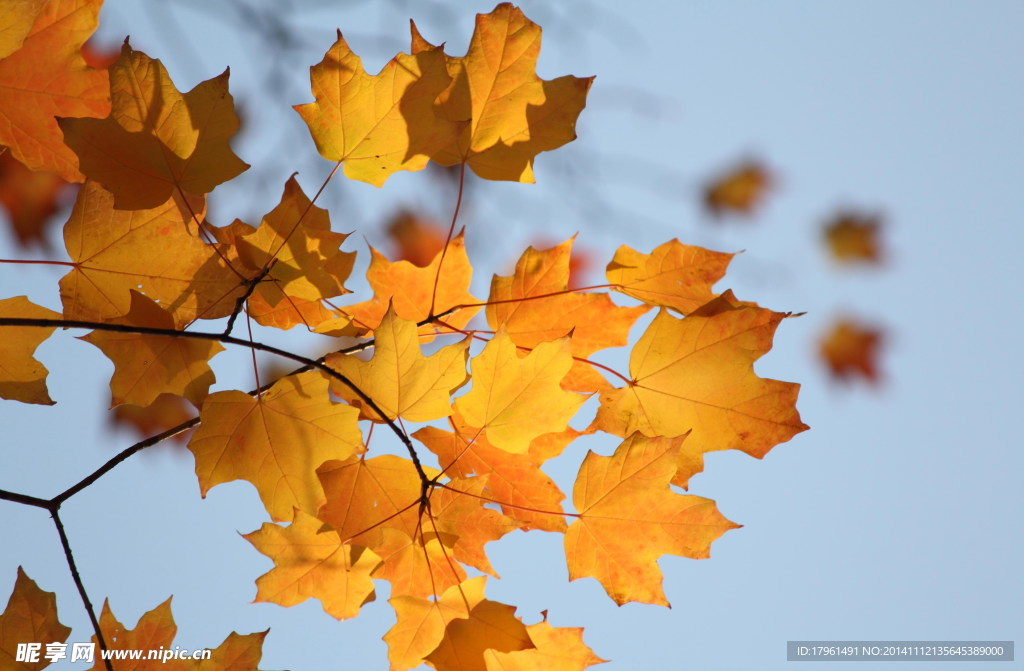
(417, 240)
(489, 626)
(30, 616)
(157, 141)
(739, 190)
(168, 410)
(23, 378)
(47, 77)
(275, 441)
(156, 629)
(510, 114)
(557, 649)
(310, 564)
(146, 366)
(697, 374)
(411, 291)
(629, 517)
(296, 242)
(116, 251)
(852, 237)
(418, 565)
(514, 481)
(400, 380)
(382, 123)
(421, 623)
(674, 275)
(534, 305)
(459, 512)
(850, 349)
(30, 198)
(515, 399)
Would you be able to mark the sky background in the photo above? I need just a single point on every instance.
(897, 516)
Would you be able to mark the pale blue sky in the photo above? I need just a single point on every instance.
(895, 517)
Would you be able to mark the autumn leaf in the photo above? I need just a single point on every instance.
(674, 275)
(165, 412)
(381, 123)
(558, 649)
(30, 617)
(416, 239)
(23, 378)
(629, 517)
(156, 629)
(459, 512)
(512, 114)
(515, 399)
(490, 626)
(851, 349)
(697, 374)
(419, 565)
(157, 142)
(853, 237)
(296, 242)
(115, 251)
(402, 381)
(46, 77)
(514, 481)
(309, 564)
(740, 190)
(30, 198)
(275, 441)
(421, 622)
(146, 366)
(410, 290)
(534, 305)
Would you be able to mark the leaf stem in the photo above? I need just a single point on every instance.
(451, 231)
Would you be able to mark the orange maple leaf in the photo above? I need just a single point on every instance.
(629, 517)
(417, 240)
(146, 366)
(382, 123)
(557, 649)
(16, 19)
(309, 563)
(739, 190)
(697, 374)
(401, 381)
(46, 77)
(489, 626)
(515, 399)
(411, 290)
(850, 349)
(509, 113)
(421, 623)
(296, 242)
(30, 617)
(275, 441)
(23, 378)
(852, 237)
(167, 411)
(116, 251)
(534, 305)
(157, 141)
(31, 198)
(674, 275)
(514, 481)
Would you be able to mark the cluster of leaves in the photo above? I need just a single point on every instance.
(494, 400)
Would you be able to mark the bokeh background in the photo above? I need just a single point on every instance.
(897, 516)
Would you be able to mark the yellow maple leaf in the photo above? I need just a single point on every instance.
(515, 399)
(382, 123)
(421, 622)
(275, 441)
(30, 617)
(489, 626)
(146, 366)
(22, 377)
(558, 649)
(157, 141)
(401, 381)
(309, 564)
(629, 517)
(510, 113)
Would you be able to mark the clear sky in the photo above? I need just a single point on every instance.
(897, 516)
